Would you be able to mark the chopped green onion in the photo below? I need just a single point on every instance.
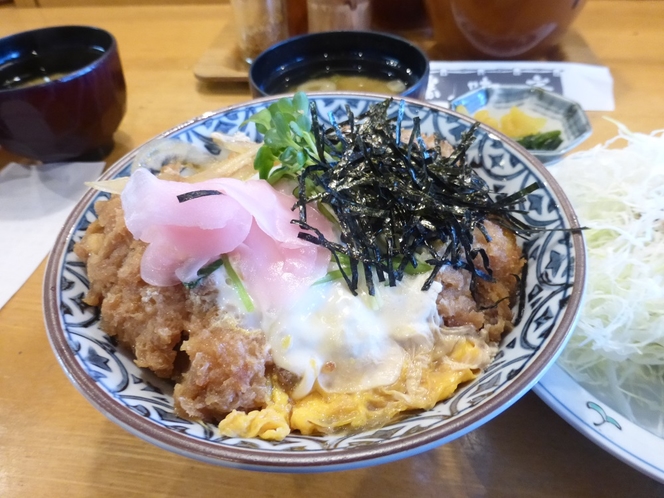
(237, 283)
(208, 270)
(204, 272)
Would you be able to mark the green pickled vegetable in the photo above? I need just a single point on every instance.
(549, 140)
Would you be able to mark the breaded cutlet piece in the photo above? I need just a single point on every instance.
(492, 314)
(175, 332)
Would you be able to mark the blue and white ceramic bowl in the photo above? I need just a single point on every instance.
(561, 113)
(143, 404)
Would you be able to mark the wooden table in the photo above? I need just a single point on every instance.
(54, 443)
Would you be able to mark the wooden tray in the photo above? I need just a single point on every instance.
(221, 62)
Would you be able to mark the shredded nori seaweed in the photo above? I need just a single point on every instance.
(399, 204)
(188, 196)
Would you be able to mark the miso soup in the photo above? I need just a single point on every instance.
(352, 82)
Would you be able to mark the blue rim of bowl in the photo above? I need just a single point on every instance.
(321, 461)
(113, 47)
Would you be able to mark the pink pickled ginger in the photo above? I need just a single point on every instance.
(250, 221)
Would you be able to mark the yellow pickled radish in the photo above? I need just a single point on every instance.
(486, 118)
(461, 109)
(518, 124)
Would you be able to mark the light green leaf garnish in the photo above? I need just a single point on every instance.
(287, 138)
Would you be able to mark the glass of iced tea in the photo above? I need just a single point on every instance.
(338, 15)
(499, 29)
(260, 24)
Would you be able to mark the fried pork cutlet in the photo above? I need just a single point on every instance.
(173, 331)
(491, 314)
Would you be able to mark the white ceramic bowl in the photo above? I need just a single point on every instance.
(143, 404)
(561, 113)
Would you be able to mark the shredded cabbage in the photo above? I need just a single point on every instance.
(617, 348)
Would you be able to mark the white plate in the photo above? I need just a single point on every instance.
(602, 425)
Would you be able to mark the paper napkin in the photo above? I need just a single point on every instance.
(589, 85)
(35, 201)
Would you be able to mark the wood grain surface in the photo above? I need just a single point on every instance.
(54, 443)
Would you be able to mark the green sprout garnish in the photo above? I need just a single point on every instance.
(287, 138)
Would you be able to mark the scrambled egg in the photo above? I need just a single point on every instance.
(425, 379)
(270, 423)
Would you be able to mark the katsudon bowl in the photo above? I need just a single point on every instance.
(141, 403)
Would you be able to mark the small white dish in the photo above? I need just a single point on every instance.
(561, 113)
